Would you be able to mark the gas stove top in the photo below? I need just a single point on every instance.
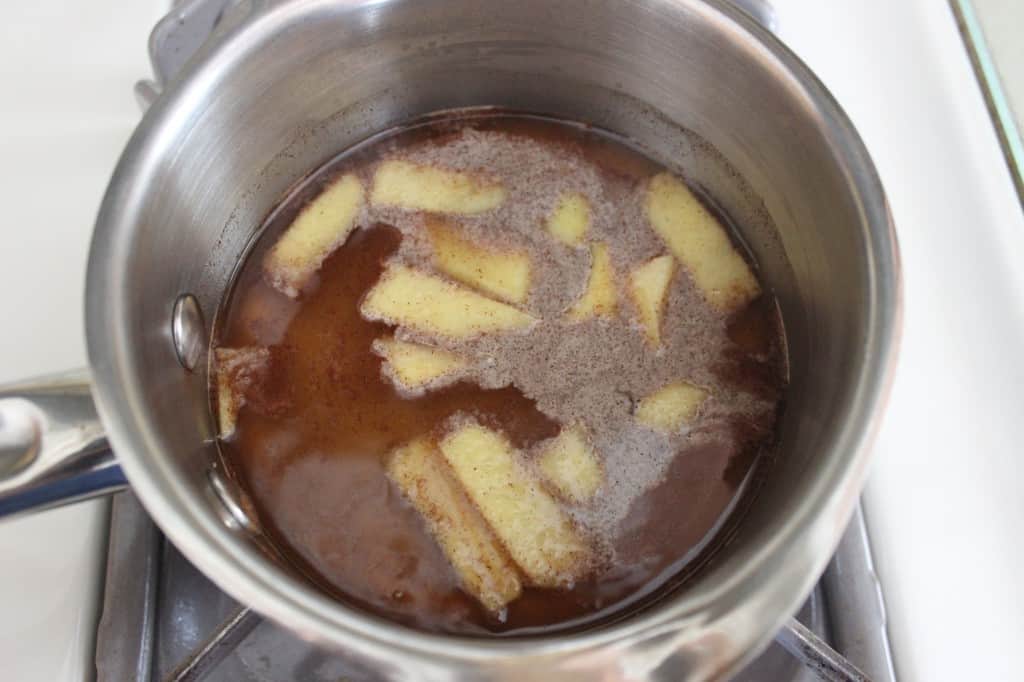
(164, 621)
(943, 502)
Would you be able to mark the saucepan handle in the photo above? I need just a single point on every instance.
(52, 445)
(53, 449)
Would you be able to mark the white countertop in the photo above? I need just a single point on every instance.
(944, 504)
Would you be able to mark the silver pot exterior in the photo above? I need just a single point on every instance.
(295, 82)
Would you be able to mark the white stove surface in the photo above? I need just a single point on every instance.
(944, 504)
(66, 73)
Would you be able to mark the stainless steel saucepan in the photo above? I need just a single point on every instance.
(290, 84)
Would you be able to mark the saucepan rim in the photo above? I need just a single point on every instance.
(240, 571)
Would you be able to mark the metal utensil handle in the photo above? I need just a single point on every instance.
(53, 449)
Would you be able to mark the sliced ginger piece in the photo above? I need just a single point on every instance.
(484, 569)
(502, 274)
(648, 285)
(537, 534)
(428, 188)
(570, 220)
(429, 304)
(238, 370)
(320, 228)
(700, 242)
(568, 461)
(600, 298)
(670, 407)
(414, 366)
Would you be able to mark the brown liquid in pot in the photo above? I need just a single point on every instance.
(311, 441)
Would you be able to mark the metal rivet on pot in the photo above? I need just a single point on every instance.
(20, 435)
(233, 512)
(188, 331)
